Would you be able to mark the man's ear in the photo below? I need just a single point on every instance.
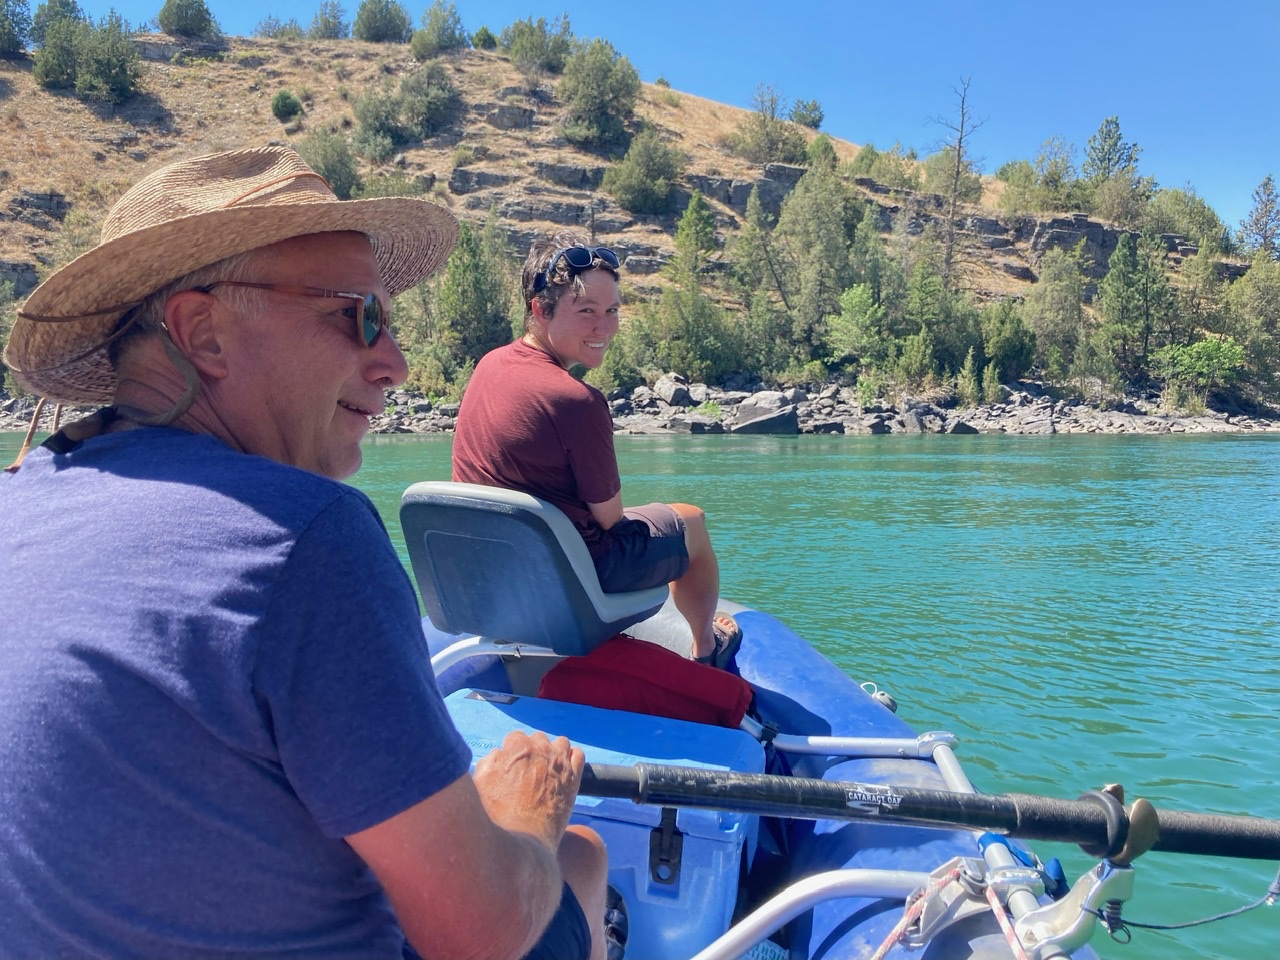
(194, 330)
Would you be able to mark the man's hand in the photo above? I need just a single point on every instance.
(529, 784)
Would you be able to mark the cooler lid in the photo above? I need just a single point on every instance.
(484, 718)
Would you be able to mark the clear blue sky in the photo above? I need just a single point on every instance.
(1196, 85)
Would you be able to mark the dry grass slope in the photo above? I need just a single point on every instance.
(200, 104)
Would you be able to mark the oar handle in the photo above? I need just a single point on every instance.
(1095, 823)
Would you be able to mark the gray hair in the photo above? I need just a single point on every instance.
(147, 320)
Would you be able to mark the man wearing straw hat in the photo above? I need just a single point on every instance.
(219, 732)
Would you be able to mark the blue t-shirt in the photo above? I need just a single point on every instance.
(211, 670)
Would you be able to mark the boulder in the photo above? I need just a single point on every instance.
(468, 180)
(763, 403)
(784, 422)
(671, 389)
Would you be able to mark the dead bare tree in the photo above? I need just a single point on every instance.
(962, 126)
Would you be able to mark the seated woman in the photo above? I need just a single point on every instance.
(527, 423)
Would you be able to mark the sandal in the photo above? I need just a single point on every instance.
(616, 924)
(728, 640)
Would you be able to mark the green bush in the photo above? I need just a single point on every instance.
(600, 87)
(109, 67)
(56, 62)
(483, 39)
(397, 183)
(807, 113)
(285, 106)
(330, 22)
(15, 26)
(48, 12)
(272, 29)
(441, 31)
(641, 181)
(537, 47)
(381, 21)
(427, 100)
(329, 154)
(766, 136)
(187, 18)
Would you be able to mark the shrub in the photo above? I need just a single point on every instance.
(442, 30)
(641, 181)
(483, 39)
(765, 136)
(537, 47)
(55, 62)
(397, 183)
(187, 18)
(821, 152)
(600, 87)
(939, 168)
(285, 106)
(273, 29)
(427, 100)
(662, 82)
(381, 21)
(807, 113)
(329, 154)
(15, 26)
(108, 64)
(330, 22)
(50, 11)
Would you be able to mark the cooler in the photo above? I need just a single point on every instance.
(677, 869)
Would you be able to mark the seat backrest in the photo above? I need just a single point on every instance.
(508, 566)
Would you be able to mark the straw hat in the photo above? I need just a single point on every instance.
(188, 215)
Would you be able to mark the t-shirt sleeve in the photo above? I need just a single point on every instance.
(586, 430)
(344, 676)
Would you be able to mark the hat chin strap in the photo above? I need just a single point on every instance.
(74, 434)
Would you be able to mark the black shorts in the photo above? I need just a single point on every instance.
(647, 550)
(567, 936)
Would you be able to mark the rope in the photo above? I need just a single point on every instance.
(1115, 925)
(26, 441)
(913, 911)
(1001, 918)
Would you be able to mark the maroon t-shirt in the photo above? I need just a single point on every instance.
(526, 424)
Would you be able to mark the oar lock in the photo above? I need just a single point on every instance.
(1129, 834)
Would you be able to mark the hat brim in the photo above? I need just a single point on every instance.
(411, 239)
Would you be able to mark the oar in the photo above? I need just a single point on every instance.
(1096, 822)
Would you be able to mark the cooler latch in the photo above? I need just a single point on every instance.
(666, 843)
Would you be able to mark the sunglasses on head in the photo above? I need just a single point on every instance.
(366, 309)
(578, 258)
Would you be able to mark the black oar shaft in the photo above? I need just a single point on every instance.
(1017, 815)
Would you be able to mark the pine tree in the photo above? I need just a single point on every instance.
(15, 26)
(471, 297)
(695, 236)
(50, 11)
(1108, 153)
(967, 384)
(1260, 231)
(1120, 304)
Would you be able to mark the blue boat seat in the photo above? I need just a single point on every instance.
(510, 567)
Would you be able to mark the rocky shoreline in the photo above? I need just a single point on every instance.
(673, 406)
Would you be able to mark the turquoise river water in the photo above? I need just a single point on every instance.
(1078, 610)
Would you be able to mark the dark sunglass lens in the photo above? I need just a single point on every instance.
(579, 257)
(607, 255)
(371, 320)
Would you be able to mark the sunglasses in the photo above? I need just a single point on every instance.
(366, 309)
(578, 258)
